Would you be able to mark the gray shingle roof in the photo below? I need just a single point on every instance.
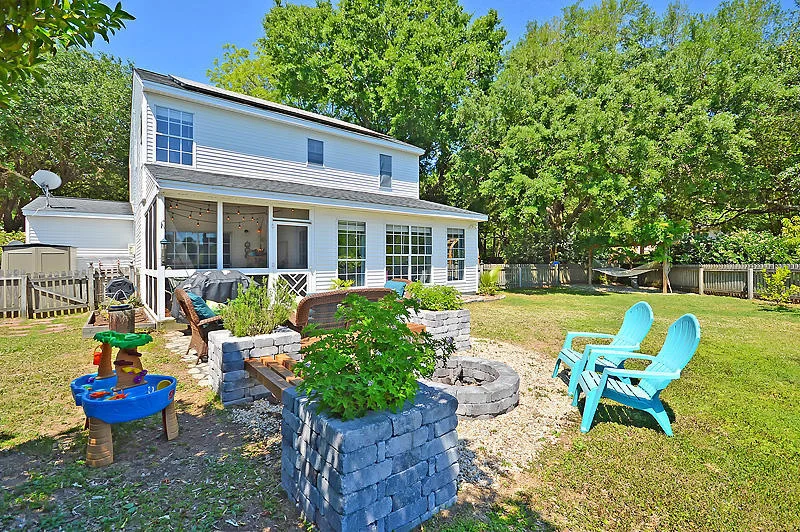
(78, 205)
(186, 175)
(202, 88)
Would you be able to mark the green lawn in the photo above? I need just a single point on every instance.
(735, 459)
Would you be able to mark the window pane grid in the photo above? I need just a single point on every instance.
(456, 253)
(409, 252)
(421, 253)
(397, 247)
(385, 171)
(352, 245)
(174, 136)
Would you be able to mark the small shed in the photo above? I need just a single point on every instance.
(38, 258)
(100, 231)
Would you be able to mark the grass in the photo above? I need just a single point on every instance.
(732, 465)
(734, 459)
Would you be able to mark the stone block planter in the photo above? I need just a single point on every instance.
(226, 356)
(384, 471)
(446, 324)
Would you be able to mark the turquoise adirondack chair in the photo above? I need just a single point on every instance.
(680, 345)
(635, 326)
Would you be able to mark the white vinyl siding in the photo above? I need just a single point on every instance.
(237, 144)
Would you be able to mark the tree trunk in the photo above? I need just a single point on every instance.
(665, 275)
(589, 269)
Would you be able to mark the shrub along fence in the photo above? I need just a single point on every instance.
(737, 280)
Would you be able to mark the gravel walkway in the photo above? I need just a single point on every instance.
(506, 444)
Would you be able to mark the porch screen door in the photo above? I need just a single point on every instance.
(292, 243)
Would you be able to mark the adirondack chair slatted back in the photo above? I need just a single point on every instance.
(679, 347)
(635, 325)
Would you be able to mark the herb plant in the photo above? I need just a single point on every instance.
(259, 309)
(373, 364)
(339, 284)
(435, 297)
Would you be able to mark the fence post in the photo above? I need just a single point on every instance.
(701, 281)
(23, 296)
(90, 287)
(750, 287)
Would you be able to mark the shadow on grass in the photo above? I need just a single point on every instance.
(782, 309)
(627, 416)
(587, 291)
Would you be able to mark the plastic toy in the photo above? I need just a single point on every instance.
(126, 394)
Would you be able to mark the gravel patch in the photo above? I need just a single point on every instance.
(261, 418)
(504, 445)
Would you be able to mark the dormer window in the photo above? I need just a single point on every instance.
(316, 152)
(386, 171)
(174, 136)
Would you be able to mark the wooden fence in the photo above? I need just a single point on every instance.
(737, 280)
(38, 295)
(538, 275)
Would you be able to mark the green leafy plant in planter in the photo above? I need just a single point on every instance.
(339, 284)
(435, 297)
(373, 364)
(259, 309)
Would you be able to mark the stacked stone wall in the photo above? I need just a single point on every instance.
(453, 324)
(384, 471)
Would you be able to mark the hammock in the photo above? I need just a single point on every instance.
(622, 272)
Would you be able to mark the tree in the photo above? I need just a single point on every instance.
(33, 29)
(400, 67)
(77, 124)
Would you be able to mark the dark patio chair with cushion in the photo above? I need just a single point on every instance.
(200, 326)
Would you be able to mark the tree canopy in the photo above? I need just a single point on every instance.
(400, 67)
(612, 118)
(32, 30)
(76, 124)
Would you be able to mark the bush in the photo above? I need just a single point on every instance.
(339, 284)
(8, 236)
(373, 364)
(740, 247)
(777, 287)
(435, 297)
(488, 282)
(259, 309)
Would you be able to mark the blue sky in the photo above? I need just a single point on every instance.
(183, 37)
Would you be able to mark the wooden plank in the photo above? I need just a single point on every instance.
(286, 360)
(278, 368)
(259, 370)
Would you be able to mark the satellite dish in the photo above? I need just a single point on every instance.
(47, 181)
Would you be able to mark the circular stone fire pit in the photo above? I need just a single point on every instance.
(484, 388)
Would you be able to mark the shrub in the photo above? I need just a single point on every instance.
(259, 309)
(373, 364)
(338, 284)
(435, 297)
(777, 287)
(488, 282)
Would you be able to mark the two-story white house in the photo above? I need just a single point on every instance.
(220, 180)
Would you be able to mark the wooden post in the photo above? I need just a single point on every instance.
(23, 296)
(123, 320)
(169, 420)
(701, 281)
(100, 451)
(91, 288)
(750, 287)
(589, 270)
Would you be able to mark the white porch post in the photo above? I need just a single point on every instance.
(160, 281)
(220, 236)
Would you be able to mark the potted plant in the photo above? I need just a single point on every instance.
(365, 445)
(441, 312)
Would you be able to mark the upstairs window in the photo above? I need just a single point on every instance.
(174, 136)
(316, 152)
(386, 171)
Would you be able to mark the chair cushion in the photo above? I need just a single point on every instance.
(200, 307)
(397, 286)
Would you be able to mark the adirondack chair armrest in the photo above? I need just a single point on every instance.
(639, 374)
(608, 348)
(572, 335)
(595, 354)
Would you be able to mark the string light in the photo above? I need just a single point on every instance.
(190, 215)
(229, 217)
(240, 226)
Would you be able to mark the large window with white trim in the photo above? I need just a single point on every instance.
(174, 136)
(409, 252)
(352, 244)
(456, 253)
(190, 230)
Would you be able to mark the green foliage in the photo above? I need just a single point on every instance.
(778, 287)
(338, 284)
(259, 309)
(488, 282)
(34, 29)
(400, 67)
(373, 364)
(612, 116)
(76, 124)
(738, 247)
(9, 236)
(435, 297)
